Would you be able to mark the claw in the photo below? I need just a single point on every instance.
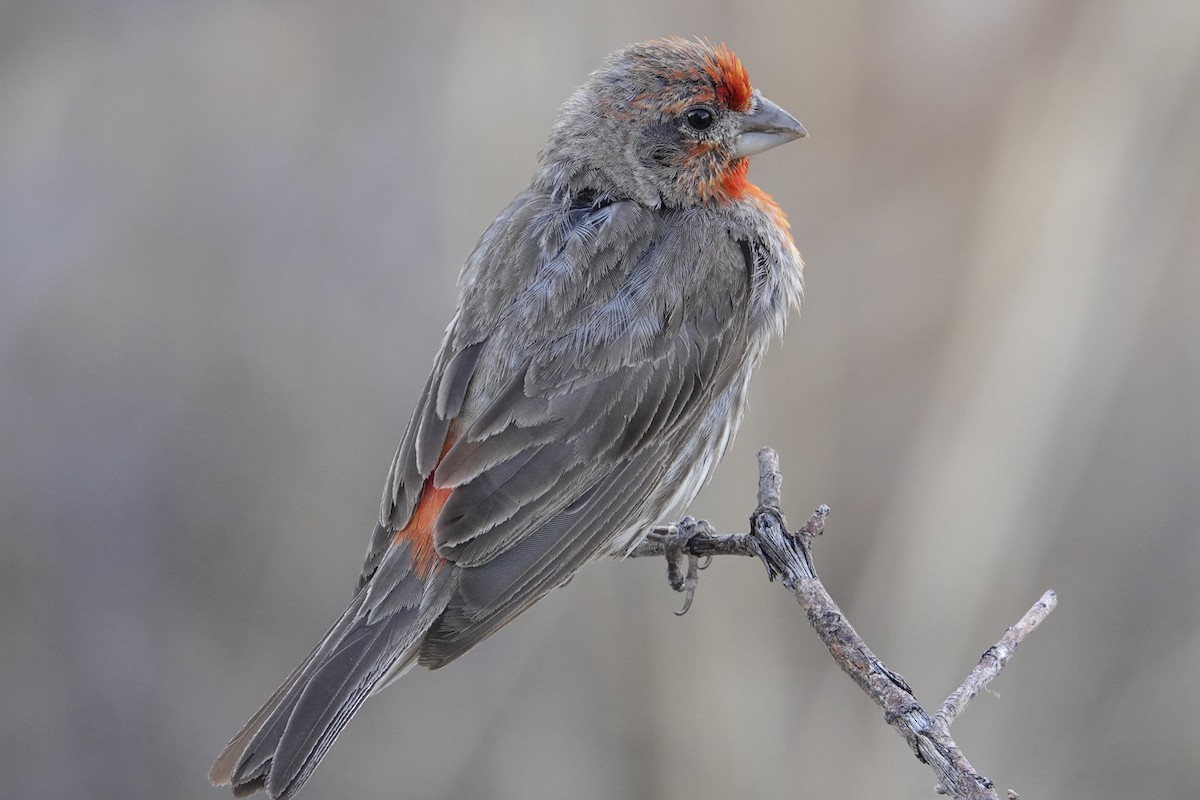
(687, 602)
(675, 539)
(675, 543)
(690, 582)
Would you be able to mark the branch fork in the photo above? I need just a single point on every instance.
(689, 546)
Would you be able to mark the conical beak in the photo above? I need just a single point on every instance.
(765, 127)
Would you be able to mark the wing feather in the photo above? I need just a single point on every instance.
(491, 595)
(598, 340)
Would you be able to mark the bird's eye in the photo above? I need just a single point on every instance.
(699, 118)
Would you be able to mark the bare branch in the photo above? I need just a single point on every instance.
(730, 544)
(788, 559)
(995, 657)
(770, 481)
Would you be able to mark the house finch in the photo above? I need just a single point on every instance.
(593, 374)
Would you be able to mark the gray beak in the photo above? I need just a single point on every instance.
(765, 127)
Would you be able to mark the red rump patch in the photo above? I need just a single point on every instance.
(419, 530)
(729, 76)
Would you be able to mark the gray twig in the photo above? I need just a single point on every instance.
(995, 657)
(788, 559)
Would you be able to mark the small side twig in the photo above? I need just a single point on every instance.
(995, 657)
(788, 559)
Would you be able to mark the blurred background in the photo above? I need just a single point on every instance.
(230, 234)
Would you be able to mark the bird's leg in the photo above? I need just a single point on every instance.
(675, 539)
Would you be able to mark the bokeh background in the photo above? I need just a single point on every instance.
(229, 235)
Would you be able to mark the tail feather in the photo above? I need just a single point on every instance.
(286, 739)
(330, 698)
(242, 761)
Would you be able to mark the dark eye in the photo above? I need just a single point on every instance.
(699, 118)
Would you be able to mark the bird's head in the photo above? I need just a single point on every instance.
(669, 122)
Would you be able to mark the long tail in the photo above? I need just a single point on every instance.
(373, 642)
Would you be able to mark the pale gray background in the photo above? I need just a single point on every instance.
(230, 233)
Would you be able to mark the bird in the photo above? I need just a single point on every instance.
(592, 375)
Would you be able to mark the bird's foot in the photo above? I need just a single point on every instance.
(675, 539)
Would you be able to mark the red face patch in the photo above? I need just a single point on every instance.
(729, 76)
